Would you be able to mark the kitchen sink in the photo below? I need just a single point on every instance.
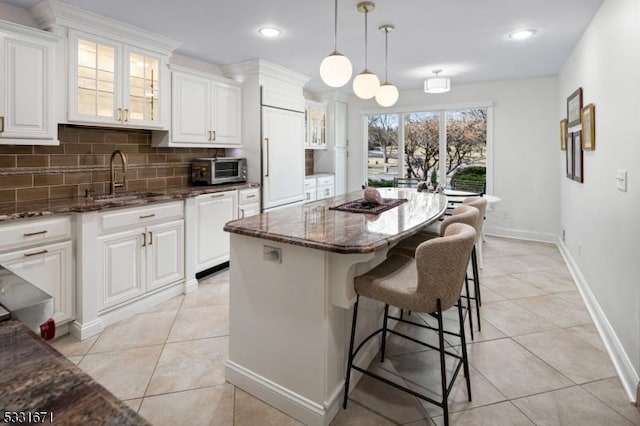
(127, 196)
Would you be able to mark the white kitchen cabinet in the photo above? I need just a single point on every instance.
(310, 189)
(27, 60)
(48, 267)
(283, 160)
(211, 241)
(248, 202)
(116, 84)
(41, 252)
(206, 111)
(140, 250)
(315, 125)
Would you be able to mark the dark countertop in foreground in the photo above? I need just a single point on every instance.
(315, 226)
(24, 209)
(34, 377)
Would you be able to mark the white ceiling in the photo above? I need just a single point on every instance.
(466, 38)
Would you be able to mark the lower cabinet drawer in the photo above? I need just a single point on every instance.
(325, 181)
(248, 196)
(17, 234)
(126, 217)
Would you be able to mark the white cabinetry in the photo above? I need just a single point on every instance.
(248, 202)
(139, 251)
(27, 59)
(315, 125)
(319, 187)
(41, 253)
(206, 111)
(211, 241)
(309, 189)
(113, 83)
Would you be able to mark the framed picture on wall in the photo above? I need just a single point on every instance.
(574, 108)
(589, 127)
(578, 170)
(569, 152)
(563, 134)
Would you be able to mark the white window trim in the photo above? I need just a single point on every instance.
(488, 105)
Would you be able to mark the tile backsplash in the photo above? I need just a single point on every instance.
(81, 162)
(308, 162)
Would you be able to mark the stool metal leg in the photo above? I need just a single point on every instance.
(443, 367)
(350, 362)
(384, 331)
(470, 313)
(476, 284)
(463, 342)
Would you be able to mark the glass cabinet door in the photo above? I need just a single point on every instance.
(143, 87)
(96, 84)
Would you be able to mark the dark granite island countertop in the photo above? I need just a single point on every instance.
(315, 225)
(36, 378)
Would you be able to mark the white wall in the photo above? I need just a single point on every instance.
(524, 150)
(602, 223)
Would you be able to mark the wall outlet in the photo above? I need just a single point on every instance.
(564, 235)
(621, 180)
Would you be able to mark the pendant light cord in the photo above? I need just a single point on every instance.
(335, 25)
(386, 54)
(366, 12)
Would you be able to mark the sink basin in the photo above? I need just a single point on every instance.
(127, 196)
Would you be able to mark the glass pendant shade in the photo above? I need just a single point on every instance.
(336, 70)
(437, 85)
(387, 94)
(366, 85)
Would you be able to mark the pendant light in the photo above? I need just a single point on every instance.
(437, 84)
(366, 84)
(388, 93)
(336, 69)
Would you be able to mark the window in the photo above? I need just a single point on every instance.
(447, 147)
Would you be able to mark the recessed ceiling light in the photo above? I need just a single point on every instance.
(269, 32)
(522, 34)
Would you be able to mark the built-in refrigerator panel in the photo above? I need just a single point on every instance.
(282, 157)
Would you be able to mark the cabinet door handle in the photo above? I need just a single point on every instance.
(209, 134)
(251, 196)
(241, 213)
(214, 135)
(31, 234)
(126, 115)
(119, 114)
(217, 195)
(147, 216)
(1, 123)
(144, 239)
(150, 238)
(36, 253)
(267, 142)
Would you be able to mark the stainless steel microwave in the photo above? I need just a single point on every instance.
(213, 171)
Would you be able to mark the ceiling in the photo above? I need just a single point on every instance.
(467, 39)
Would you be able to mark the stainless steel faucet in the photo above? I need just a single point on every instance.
(122, 184)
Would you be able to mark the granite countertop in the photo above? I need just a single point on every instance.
(24, 209)
(34, 377)
(314, 225)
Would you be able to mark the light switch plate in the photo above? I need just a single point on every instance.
(272, 254)
(621, 180)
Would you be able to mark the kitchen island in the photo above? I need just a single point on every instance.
(291, 295)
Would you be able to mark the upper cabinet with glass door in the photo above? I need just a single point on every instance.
(316, 125)
(112, 83)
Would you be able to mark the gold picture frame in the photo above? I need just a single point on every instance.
(588, 118)
(563, 134)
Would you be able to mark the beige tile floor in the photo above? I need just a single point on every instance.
(537, 361)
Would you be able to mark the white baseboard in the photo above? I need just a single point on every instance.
(297, 406)
(190, 286)
(520, 234)
(621, 362)
(85, 330)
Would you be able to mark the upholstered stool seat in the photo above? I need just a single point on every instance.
(428, 283)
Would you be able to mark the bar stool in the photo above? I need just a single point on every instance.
(461, 214)
(481, 204)
(429, 283)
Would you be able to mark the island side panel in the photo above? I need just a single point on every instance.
(277, 315)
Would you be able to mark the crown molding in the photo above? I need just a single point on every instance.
(203, 74)
(29, 31)
(239, 71)
(51, 14)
